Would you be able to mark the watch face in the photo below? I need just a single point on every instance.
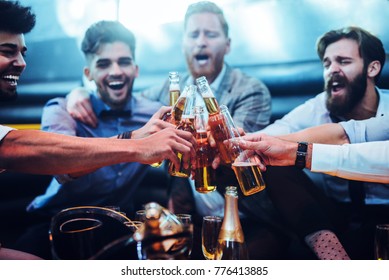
(301, 154)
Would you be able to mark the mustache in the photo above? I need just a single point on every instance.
(336, 78)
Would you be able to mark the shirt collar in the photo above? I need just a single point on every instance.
(215, 84)
(99, 107)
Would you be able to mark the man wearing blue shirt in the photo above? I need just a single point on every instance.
(109, 49)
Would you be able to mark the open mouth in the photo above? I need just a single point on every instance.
(337, 86)
(202, 59)
(12, 80)
(116, 85)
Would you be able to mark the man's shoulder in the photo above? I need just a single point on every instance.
(57, 101)
(237, 79)
(145, 105)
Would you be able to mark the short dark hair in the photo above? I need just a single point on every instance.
(103, 32)
(15, 18)
(207, 7)
(370, 47)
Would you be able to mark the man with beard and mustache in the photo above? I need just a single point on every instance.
(39, 152)
(352, 60)
(205, 44)
(109, 50)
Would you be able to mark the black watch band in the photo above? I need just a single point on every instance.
(301, 154)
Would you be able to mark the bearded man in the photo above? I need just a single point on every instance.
(352, 61)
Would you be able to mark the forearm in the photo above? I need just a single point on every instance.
(323, 134)
(49, 153)
(363, 162)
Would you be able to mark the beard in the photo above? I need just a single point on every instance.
(354, 93)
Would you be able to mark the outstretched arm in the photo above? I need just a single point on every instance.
(39, 152)
(330, 133)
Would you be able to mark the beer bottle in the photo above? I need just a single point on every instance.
(174, 94)
(215, 119)
(244, 163)
(231, 244)
(205, 175)
(186, 124)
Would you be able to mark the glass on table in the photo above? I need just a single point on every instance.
(209, 235)
(186, 221)
(381, 242)
(140, 215)
(133, 225)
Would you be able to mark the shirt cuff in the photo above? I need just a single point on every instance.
(325, 158)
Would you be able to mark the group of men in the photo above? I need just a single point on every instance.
(291, 206)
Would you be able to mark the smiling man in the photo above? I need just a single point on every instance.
(109, 49)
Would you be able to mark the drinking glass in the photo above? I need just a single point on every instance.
(381, 242)
(209, 235)
(140, 215)
(186, 220)
(133, 225)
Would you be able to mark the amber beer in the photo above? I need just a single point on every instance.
(249, 177)
(219, 134)
(185, 125)
(205, 176)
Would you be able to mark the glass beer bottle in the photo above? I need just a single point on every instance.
(205, 175)
(215, 120)
(174, 94)
(231, 244)
(186, 124)
(244, 163)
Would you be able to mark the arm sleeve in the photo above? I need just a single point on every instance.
(373, 129)
(364, 161)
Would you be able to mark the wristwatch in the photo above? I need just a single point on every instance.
(301, 154)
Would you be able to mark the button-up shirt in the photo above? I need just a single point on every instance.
(314, 112)
(105, 185)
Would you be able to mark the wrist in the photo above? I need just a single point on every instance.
(301, 155)
(125, 135)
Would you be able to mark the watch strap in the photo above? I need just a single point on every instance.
(301, 155)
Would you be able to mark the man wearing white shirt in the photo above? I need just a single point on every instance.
(366, 159)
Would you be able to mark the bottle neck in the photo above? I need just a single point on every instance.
(231, 228)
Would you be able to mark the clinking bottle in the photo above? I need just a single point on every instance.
(215, 120)
(205, 175)
(231, 244)
(174, 94)
(186, 124)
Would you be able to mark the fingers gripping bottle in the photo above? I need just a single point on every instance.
(205, 175)
(215, 119)
(186, 124)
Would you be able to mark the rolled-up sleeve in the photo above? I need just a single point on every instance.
(373, 129)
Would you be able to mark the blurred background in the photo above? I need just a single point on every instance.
(273, 40)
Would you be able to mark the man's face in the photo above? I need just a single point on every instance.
(205, 45)
(12, 64)
(113, 70)
(345, 76)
